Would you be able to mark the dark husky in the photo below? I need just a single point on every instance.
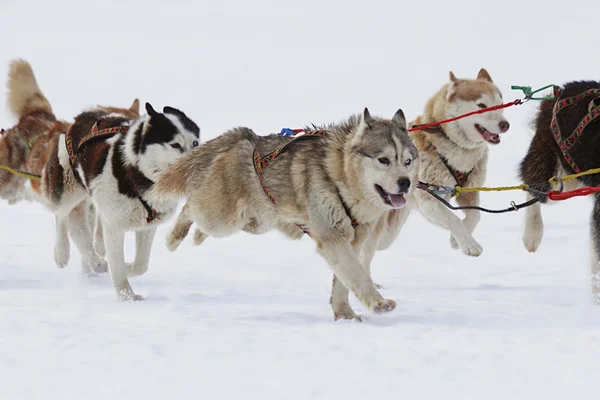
(566, 141)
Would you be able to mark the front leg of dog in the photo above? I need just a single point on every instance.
(436, 213)
(472, 217)
(143, 246)
(114, 241)
(534, 226)
(595, 251)
(348, 269)
(367, 252)
(62, 246)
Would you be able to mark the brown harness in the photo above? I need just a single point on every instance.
(96, 134)
(261, 163)
(460, 177)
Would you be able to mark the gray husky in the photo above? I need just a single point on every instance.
(333, 183)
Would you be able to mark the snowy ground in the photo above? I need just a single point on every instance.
(248, 317)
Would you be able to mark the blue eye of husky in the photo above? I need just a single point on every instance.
(407, 162)
(195, 143)
(384, 160)
(481, 105)
(176, 146)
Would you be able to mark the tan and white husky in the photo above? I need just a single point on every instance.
(454, 153)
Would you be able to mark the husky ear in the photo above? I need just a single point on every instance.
(484, 75)
(451, 86)
(135, 107)
(366, 117)
(150, 110)
(453, 78)
(174, 111)
(399, 118)
(365, 122)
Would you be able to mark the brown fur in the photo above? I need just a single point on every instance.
(36, 126)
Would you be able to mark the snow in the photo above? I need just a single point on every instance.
(248, 317)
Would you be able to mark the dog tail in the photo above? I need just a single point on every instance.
(24, 95)
(171, 184)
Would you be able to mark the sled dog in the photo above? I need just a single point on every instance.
(334, 183)
(26, 147)
(454, 153)
(566, 141)
(112, 157)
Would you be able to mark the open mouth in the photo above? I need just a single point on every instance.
(488, 136)
(395, 200)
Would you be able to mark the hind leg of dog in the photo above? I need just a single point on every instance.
(114, 241)
(62, 246)
(143, 246)
(99, 237)
(595, 250)
(472, 217)
(348, 269)
(339, 301)
(180, 229)
(81, 233)
(436, 213)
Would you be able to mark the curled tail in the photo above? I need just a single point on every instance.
(24, 95)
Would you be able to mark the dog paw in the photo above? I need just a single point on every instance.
(199, 237)
(472, 248)
(61, 256)
(384, 306)
(126, 294)
(173, 241)
(344, 311)
(100, 266)
(454, 243)
(532, 238)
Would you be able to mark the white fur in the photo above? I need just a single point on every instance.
(118, 213)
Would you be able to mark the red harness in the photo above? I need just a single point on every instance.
(593, 113)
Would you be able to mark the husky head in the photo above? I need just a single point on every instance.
(467, 95)
(160, 139)
(387, 159)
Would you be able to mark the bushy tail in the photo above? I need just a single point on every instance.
(171, 184)
(24, 95)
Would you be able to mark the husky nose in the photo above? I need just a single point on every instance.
(504, 125)
(403, 185)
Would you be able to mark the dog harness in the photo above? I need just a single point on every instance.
(261, 163)
(96, 134)
(566, 144)
(459, 176)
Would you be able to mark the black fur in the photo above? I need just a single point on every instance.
(543, 156)
(162, 129)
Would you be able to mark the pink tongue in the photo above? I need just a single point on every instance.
(491, 137)
(397, 200)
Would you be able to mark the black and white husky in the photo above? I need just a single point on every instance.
(112, 157)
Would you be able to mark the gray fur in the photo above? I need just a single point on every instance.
(312, 182)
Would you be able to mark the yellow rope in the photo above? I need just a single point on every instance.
(459, 189)
(554, 181)
(21, 173)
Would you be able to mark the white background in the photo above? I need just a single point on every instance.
(248, 317)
